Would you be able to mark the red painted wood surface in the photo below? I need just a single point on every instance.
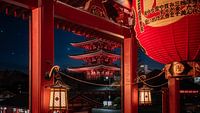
(84, 18)
(29, 4)
(174, 95)
(42, 52)
(66, 12)
(130, 64)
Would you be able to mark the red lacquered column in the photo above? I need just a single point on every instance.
(174, 95)
(130, 65)
(41, 54)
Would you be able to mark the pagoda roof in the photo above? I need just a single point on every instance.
(79, 44)
(88, 68)
(92, 54)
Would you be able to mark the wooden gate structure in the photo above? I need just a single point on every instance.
(44, 16)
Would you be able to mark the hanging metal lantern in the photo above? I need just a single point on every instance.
(58, 97)
(145, 96)
(58, 92)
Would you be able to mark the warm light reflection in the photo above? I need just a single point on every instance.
(189, 91)
(124, 3)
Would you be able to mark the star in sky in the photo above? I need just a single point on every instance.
(12, 53)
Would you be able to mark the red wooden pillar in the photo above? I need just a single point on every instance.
(174, 95)
(130, 65)
(41, 54)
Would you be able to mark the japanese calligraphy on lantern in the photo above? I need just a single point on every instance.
(158, 13)
(178, 68)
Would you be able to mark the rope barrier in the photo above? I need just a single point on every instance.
(86, 82)
(104, 85)
(154, 86)
(154, 76)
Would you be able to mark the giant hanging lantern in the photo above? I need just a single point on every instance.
(168, 30)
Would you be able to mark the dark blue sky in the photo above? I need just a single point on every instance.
(14, 46)
(63, 48)
(14, 43)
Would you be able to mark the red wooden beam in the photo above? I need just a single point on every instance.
(66, 12)
(28, 4)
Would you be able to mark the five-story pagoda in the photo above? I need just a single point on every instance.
(99, 58)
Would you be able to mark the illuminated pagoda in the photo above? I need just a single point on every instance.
(99, 58)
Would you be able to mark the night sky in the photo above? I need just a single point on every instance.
(14, 43)
(14, 46)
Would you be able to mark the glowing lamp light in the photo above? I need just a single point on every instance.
(58, 97)
(58, 93)
(145, 96)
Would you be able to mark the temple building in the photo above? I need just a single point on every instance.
(167, 31)
(99, 58)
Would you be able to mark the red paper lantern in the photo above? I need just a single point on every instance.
(168, 30)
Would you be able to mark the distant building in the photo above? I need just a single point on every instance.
(98, 58)
(144, 69)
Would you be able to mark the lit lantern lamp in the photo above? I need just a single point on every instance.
(145, 96)
(58, 97)
(58, 93)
